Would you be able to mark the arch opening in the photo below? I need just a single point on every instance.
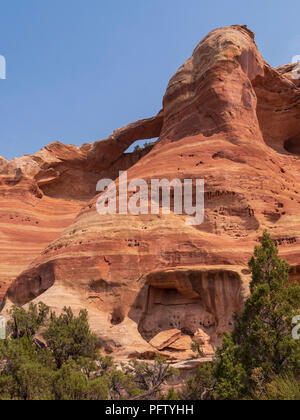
(142, 145)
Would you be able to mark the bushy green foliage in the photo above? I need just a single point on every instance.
(67, 367)
(146, 146)
(201, 386)
(197, 348)
(260, 356)
(264, 331)
(72, 384)
(171, 396)
(27, 322)
(150, 377)
(137, 149)
(282, 387)
(64, 363)
(25, 374)
(69, 337)
(260, 360)
(230, 374)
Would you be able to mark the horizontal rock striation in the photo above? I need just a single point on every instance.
(228, 118)
(42, 194)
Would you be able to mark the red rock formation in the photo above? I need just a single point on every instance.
(193, 300)
(292, 72)
(165, 339)
(29, 220)
(41, 195)
(106, 151)
(230, 119)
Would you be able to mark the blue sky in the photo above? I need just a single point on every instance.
(78, 69)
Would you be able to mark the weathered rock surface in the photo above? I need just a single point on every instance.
(292, 72)
(165, 338)
(41, 195)
(197, 300)
(184, 343)
(228, 118)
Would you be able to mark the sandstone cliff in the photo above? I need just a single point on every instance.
(228, 118)
(41, 195)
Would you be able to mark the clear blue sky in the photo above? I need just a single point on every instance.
(78, 69)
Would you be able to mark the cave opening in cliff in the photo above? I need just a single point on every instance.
(170, 309)
(199, 303)
(293, 145)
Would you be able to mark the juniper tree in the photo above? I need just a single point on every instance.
(262, 339)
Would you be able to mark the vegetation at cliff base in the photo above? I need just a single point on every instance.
(50, 357)
(56, 357)
(260, 359)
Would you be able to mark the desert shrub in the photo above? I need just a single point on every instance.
(70, 337)
(27, 322)
(261, 354)
(66, 365)
(282, 387)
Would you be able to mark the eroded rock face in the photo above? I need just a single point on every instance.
(41, 195)
(104, 152)
(165, 339)
(291, 71)
(199, 301)
(29, 220)
(230, 119)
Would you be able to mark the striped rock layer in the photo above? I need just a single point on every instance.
(228, 118)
